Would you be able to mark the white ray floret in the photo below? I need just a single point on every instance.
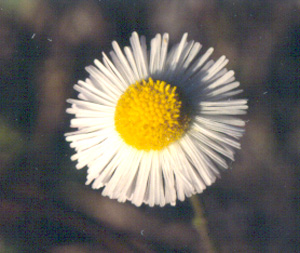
(184, 167)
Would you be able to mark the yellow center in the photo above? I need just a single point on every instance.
(150, 116)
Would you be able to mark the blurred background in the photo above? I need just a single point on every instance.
(45, 207)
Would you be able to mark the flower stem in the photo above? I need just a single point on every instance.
(200, 224)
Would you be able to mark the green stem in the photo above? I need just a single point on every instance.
(200, 224)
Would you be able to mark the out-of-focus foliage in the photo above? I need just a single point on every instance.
(44, 47)
(11, 144)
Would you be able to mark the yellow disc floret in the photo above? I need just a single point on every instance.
(150, 116)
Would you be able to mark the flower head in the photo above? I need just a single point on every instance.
(155, 126)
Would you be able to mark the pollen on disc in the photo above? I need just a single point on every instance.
(150, 115)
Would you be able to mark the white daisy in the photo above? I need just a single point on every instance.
(155, 126)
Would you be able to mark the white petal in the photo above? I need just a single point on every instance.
(222, 80)
(84, 113)
(216, 136)
(105, 175)
(236, 102)
(217, 146)
(123, 63)
(82, 135)
(125, 186)
(85, 130)
(89, 105)
(226, 88)
(156, 195)
(174, 60)
(182, 178)
(197, 65)
(163, 51)
(132, 62)
(225, 119)
(194, 155)
(142, 178)
(86, 145)
(118, 78)
(155, 55)
(138, 55)
(168, 174)
(82, 122)
(124, 174)
(145, 55)
(97, 95)
(196, 47)
(108, 150)
(227, 95)
(103, 79)
(218, 65)
(220, 127)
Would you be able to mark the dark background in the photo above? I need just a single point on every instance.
(44, 47)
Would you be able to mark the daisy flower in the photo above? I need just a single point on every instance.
(156, 125)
